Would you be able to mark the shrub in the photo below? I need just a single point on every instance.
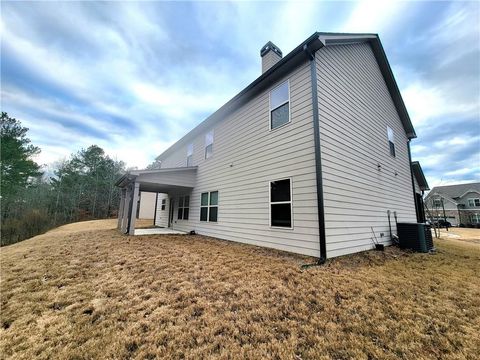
(32, 223)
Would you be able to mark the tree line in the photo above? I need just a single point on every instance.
(81, 187)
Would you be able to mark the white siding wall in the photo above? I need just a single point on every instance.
(147, 205)
(355, 108)
(246, 156)
(161, 216)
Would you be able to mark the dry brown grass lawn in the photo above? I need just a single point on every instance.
(84, 291)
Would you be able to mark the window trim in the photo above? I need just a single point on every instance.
(208, 206)
(280, 202)
(183, 207)
(270, 106)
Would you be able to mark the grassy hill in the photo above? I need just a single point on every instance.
(86, 291)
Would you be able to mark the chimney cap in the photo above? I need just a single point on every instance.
(270, 46)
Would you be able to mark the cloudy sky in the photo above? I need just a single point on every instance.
(135, 77)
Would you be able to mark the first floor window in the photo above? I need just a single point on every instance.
(183, 207)
(281, 203)
(164, 202)
(209, 206)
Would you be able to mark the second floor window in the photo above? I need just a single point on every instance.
(391, 141)
(280, 105)
(190, 155)
(474, 202)
(209, 144)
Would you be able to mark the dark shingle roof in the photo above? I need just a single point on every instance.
(455, 191)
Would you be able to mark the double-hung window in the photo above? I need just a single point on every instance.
(190, 155)
(474, 202)
(183, 207)
(391, 141)
(164, 202)
(209, 206)
(281, 203)
(209, 144)
(280, 105)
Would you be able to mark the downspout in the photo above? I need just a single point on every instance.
(411, 176)
(318, 158)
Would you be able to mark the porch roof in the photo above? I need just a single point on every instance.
(161, 180)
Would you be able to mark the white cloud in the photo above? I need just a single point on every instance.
(425, 103)
(373, 16)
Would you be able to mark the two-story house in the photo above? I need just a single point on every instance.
(461, 203)
(313, 157)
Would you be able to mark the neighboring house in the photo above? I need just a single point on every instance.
(310, 158)
(420, 185)
(461, 203)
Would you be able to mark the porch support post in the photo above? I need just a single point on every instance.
(121, 208)
(133, 213)
(126, 208)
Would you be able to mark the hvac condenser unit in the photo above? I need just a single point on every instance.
(415, 236)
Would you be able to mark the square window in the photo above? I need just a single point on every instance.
(477, 202)
(281, 215)
(280, 190)
(280, 116)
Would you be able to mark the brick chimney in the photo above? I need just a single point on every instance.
(270, 54)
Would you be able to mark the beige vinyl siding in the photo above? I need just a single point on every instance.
(247, 155)
(355, 108)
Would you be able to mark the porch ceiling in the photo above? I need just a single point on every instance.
(162, 180)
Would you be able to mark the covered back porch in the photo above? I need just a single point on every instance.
(172, 182)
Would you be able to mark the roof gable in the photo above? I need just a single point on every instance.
(455, 191)
(291, 61)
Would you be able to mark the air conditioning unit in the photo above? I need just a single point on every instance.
(415, 236)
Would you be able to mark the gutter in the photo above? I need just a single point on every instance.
(318, 156)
